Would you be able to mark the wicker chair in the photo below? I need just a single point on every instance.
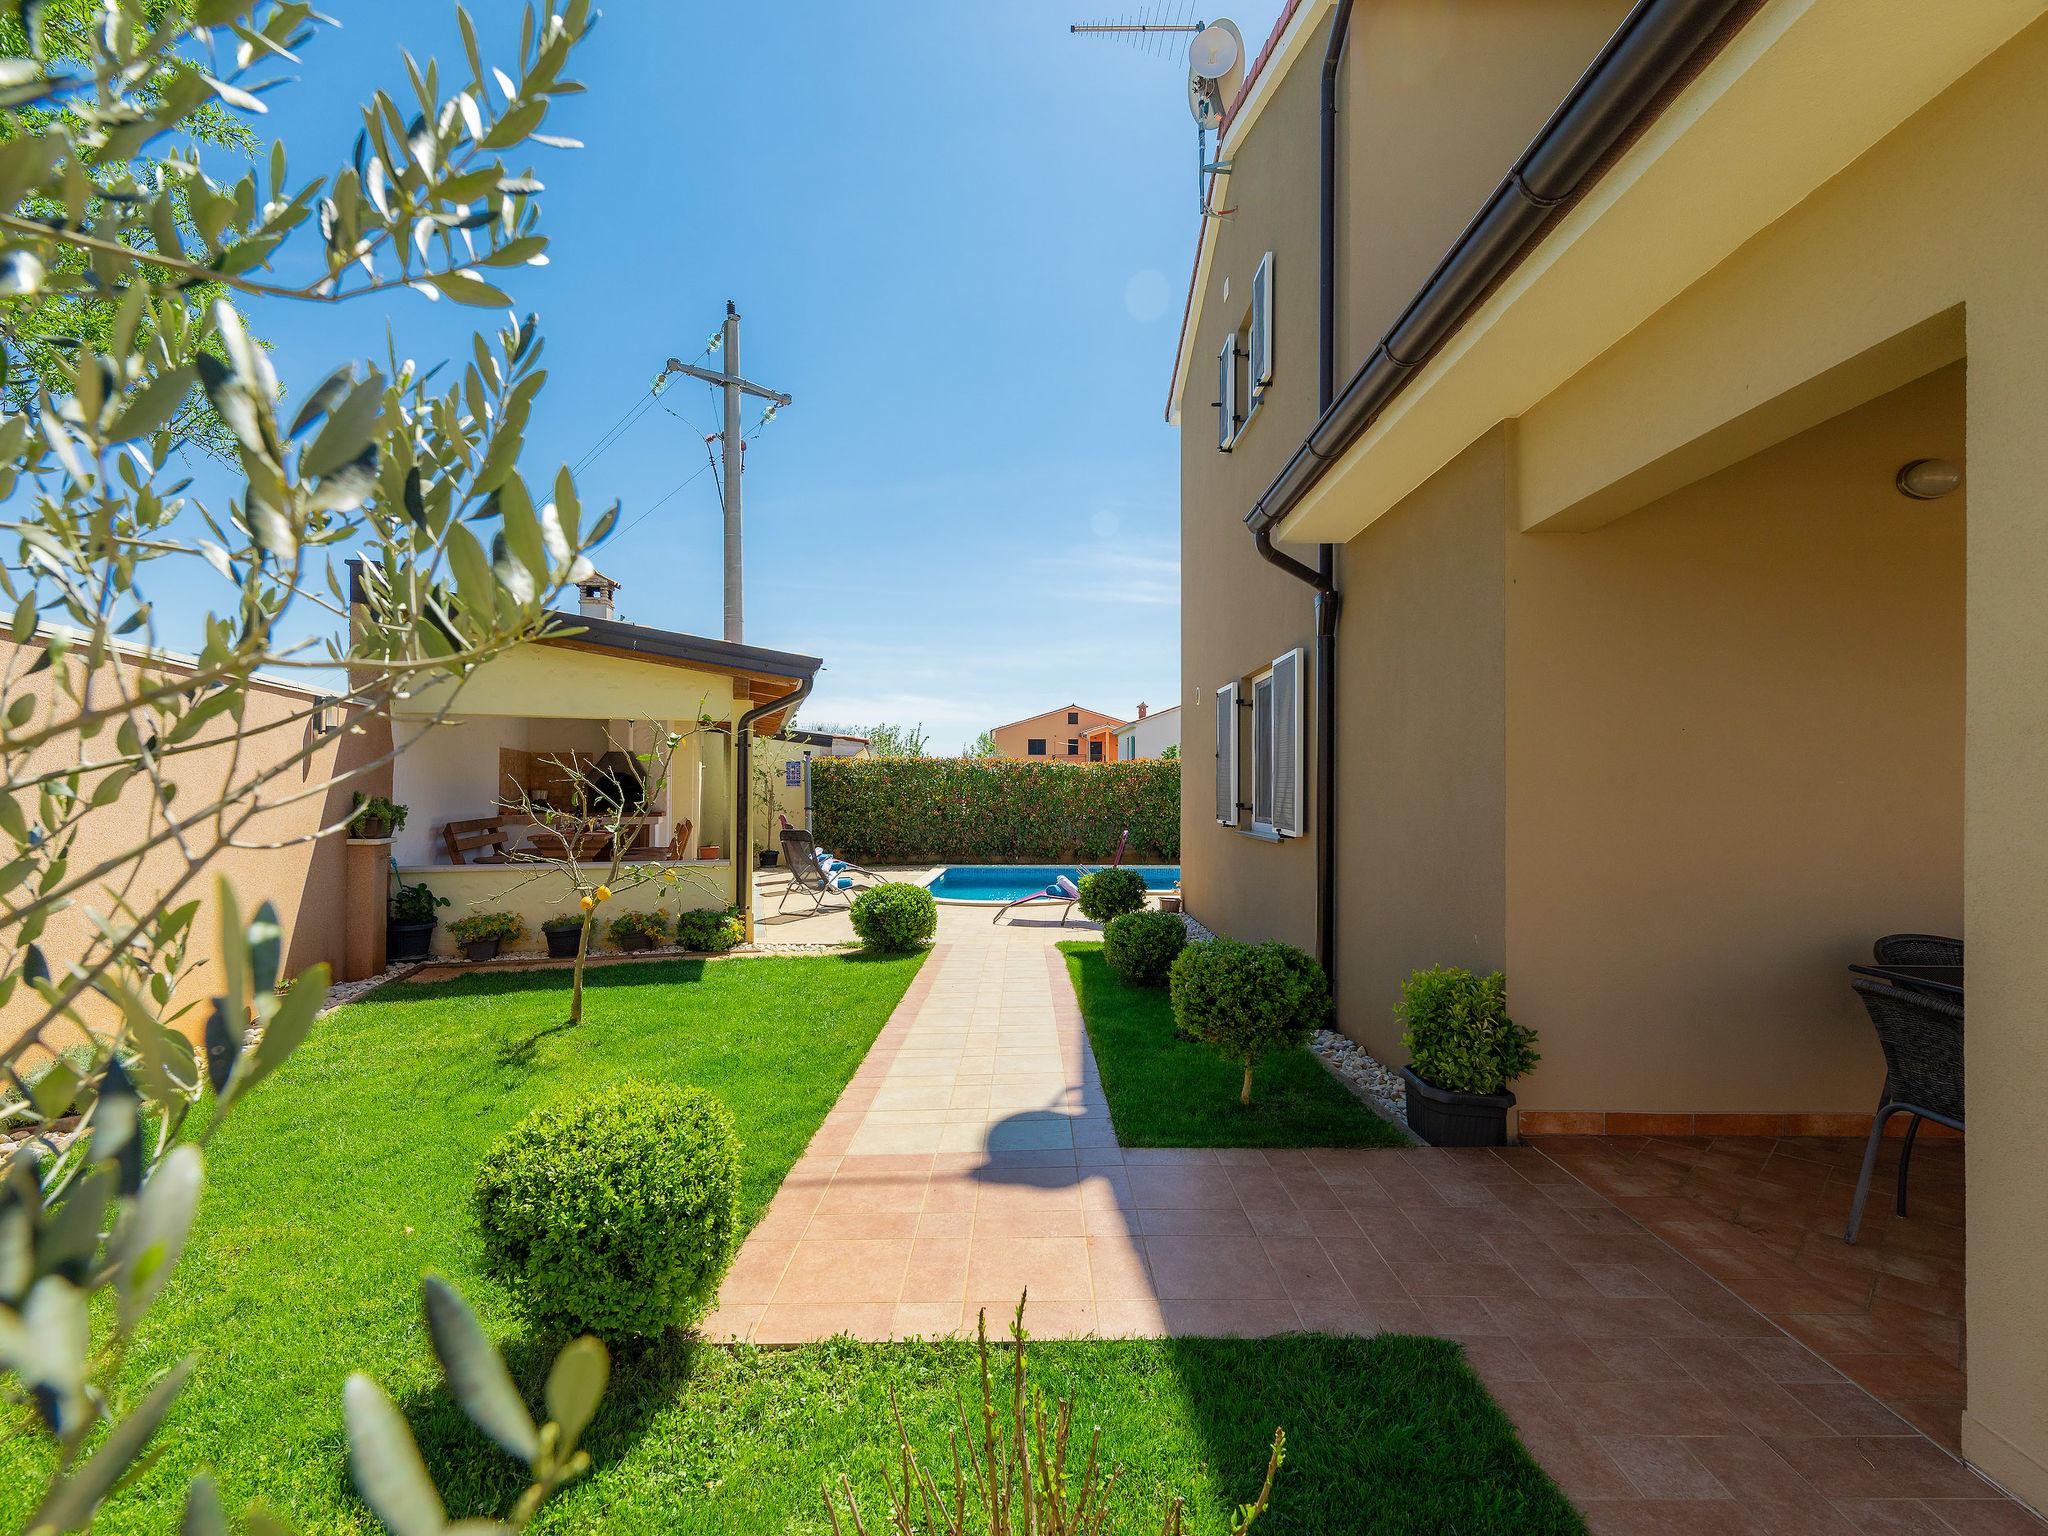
(1922, 1039)
(1917, 949)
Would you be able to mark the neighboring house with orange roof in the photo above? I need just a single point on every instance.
(1069, 734)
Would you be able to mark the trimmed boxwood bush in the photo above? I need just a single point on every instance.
(1458, 1032)
(991, 810)
(1110, 893)
(1141, 946)
(1248, 1000)
(710, 930)
(895, 916)
(614, 1213)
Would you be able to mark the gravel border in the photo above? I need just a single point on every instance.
(1360, 1071)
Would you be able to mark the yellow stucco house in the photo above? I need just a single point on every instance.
(1616, 553)
(592, 697)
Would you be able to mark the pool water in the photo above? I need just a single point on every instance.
(1007, 882)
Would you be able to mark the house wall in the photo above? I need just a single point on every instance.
(558, 681)
(1735, 757)
(1152, 735)
(1421, 835)
(538, 894)
(1053, 726)
(1435, 100)
(304, 881)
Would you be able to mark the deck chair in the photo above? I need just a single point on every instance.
(485, 836)
(812, 875)
(1066, 889)
(800, 845)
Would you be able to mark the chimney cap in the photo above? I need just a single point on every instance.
(597, 582)
(1141, 710)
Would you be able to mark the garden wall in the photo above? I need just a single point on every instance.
(925, 810)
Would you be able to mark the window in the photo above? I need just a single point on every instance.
(1262, 753)
(1095, 750)
(1073, 746)
(1277, 747)
(1244, 366)
(1035, 747)
(1127, 749)
(1073, 717)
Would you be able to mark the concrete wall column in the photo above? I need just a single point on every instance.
(2005, 1428)
(366, 905)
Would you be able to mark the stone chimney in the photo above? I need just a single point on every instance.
(595, 595)
(1141, 711)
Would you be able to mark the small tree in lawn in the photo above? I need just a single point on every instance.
(1248, 1000)
(586, 842)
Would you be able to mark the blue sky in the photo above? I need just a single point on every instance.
(958, 236)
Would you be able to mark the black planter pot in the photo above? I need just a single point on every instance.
(1446, 1119)
(409, 941)
(562, 942)
(374, 831)
(769, 856)
(635, 942)
(481, 949)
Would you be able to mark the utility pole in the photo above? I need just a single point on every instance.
(732, 451)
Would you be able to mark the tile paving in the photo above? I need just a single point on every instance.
(1766, 1217)
(972, 1157)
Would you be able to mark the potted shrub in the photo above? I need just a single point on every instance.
(563, 934)
(409, 932)
(710, 930)
(1463, 1052)
(375, 817)
(482, 933)
(638, 930)
(1246, 1001)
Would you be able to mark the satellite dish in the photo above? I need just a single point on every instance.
(1215, 71)
(1215, 51)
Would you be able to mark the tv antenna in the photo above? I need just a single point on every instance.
(1152, 31)
(1215, 72)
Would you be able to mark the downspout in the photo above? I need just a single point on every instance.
(1322, 576)
(743, 833)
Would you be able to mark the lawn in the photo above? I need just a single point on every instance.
(1390, 1436)
(337, 1184)
(1165, 1092)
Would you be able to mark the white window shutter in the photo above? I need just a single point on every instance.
(1226, 754)
(1262, 325)
(1262, 754)
(1288, 733)
(1226, 394)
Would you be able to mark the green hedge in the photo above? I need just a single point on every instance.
(919, 810)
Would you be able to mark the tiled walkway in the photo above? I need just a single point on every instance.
(972, 1158)
(1766, 1218)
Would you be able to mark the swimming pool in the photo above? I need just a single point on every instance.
(994, 883)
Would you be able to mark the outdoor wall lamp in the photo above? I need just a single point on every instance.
(1929, 479)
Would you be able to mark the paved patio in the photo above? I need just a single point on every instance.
(972, 1157)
